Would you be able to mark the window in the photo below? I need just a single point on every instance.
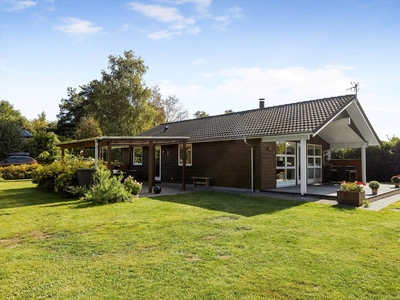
(137, 156)
(188, 155)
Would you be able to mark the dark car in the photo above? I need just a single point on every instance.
(17, 160)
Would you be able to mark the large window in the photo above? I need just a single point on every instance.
(285, 162)
(137, 156)
(188, 155)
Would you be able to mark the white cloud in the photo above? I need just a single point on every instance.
(199, 61)
(19, 4)
(77, 27)
(201, 5)
(178, 23)
(227, 18)
(160, 13)
(163, 34)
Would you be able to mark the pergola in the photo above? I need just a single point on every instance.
(129, 141)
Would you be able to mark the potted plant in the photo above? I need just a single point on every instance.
(374, 186)
(396, 181)
(351, 193)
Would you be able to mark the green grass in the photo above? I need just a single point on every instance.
(194, 246)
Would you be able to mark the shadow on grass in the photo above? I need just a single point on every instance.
(244, 205)
(29, 196)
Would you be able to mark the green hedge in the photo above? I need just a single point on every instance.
(18, 172)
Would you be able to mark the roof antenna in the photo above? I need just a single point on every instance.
(355, 87)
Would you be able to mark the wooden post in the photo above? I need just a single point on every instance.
(151, 166)
(109, 156)
(183, 165)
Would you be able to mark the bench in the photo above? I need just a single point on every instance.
(201, 180)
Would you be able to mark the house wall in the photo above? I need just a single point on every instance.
(226, 162)
(267, 165)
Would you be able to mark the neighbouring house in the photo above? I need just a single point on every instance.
(257, 149)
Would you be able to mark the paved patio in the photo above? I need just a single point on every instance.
(325, 194)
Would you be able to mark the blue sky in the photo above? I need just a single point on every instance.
(213, 55)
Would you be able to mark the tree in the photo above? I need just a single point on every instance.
(174, 110)
(11, 124)
(43, 146)
(7, 112)
(157, 102)
(71, 111)
(119, 101)
(229, 111)
(200, 114)
(87, 128)
(169, 109)
(10, 137)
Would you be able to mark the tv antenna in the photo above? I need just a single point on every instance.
(355, 87)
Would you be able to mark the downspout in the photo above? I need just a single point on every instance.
(252, 164)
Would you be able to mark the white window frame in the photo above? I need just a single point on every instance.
(134, 163)
(188, 148)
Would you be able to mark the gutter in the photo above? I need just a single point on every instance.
(252, 163)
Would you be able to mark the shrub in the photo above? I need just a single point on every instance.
(60, 176)
(374, 185)
(107, 189)
(18, 172)
(132, 185)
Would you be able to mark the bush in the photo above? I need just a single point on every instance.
(107, 189)
(374, 184)
(60, 176)
(132, 185)
(18, 172)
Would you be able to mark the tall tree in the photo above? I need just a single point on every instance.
(169, 109)
(10, 137)
(157, 102)
(71, 111)
(119, 101)
(200, 114)
(174, 110)
(11, 124)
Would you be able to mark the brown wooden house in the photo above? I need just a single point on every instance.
(265, 147)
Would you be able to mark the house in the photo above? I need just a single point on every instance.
(265, 147)
(257, 149)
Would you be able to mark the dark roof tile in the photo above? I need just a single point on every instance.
(299, 117)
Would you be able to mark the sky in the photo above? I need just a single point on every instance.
(214, 55)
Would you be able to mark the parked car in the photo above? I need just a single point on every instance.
(17, 160)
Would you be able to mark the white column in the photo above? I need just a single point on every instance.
(96, 154)
(364, 163)
(303, 165)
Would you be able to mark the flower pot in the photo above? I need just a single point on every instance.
(374, 191)
(350, 198)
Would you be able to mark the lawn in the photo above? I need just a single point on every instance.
(194, 246)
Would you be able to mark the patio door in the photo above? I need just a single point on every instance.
(157, 163)
(314, 163)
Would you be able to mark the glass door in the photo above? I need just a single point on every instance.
(314, 163)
